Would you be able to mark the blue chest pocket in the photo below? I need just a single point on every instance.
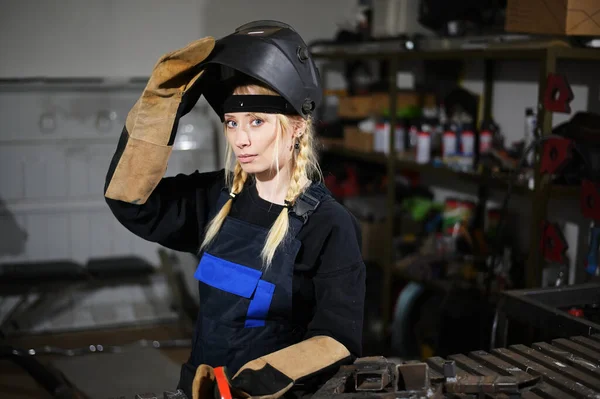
(238, 280)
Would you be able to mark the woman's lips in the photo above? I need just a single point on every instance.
(246, 158)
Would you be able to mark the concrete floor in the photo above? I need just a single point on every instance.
(17, 384)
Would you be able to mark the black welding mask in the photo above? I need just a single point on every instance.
(270, 52)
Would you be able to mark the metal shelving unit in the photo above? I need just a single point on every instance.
(499, 181)
(546, 55)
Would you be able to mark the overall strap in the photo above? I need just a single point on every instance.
(305, 205)
(223, 198)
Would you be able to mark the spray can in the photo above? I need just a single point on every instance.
(423, 145)
(382, 137)
(449, 144)
(467, 144)
(400, 139)
(380, 141)
(485, 141)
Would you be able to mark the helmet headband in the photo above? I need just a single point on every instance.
(258, 103)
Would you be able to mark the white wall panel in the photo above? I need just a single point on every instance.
(45, 171)
(78, 164)
(12, 168)
(13, 236)
(79, 226)
(52, 112)
(58, 236)
(37, 229)
(99, 161)
(123, 242)
(101, 237)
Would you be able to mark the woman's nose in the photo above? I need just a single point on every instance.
(241, 138)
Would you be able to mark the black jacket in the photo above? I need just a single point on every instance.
(329, 275)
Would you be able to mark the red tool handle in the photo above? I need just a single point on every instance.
(222, 383)
(577, 312)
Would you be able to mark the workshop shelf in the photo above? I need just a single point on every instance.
(534, 50)
(547, 52)
(498, 181)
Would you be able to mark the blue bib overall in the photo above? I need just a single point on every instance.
(246, 311)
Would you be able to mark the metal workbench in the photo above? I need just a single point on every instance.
(561, 369)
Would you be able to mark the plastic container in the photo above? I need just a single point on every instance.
(467, 143)
(449, 144)
(450, 215)
(456, 215)
(382, 137)
(423, 147)
(485, 141)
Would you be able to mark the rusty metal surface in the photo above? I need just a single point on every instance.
(372, 374)
(561, 369)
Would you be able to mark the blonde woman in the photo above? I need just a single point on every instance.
(281, 276)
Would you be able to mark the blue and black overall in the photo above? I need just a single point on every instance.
(314, 286)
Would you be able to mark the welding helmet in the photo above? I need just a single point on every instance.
(270, 52)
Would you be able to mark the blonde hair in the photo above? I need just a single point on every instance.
(304, 167)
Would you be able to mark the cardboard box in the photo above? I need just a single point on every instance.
(354, 107)
(553, 17)
(363, 106)
(355, 139)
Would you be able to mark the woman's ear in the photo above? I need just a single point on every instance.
(299, 126)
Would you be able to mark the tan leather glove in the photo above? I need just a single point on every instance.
(271, 376)
(214, 383)
(204, 382)
(146, 142)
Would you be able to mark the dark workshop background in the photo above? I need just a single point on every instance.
(69, 72)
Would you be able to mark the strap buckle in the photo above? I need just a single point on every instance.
(305, 205)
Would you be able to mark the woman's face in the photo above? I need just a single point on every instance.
(253, 139)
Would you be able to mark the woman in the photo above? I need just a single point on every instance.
(281, 277)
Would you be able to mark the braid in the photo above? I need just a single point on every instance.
(301, 162)
(300, 168)
(239, 179)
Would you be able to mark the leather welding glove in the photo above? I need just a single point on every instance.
(271, 376)
(141, 158)
(204, 382)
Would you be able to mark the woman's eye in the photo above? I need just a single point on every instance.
(231, 124)
(257, 122)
